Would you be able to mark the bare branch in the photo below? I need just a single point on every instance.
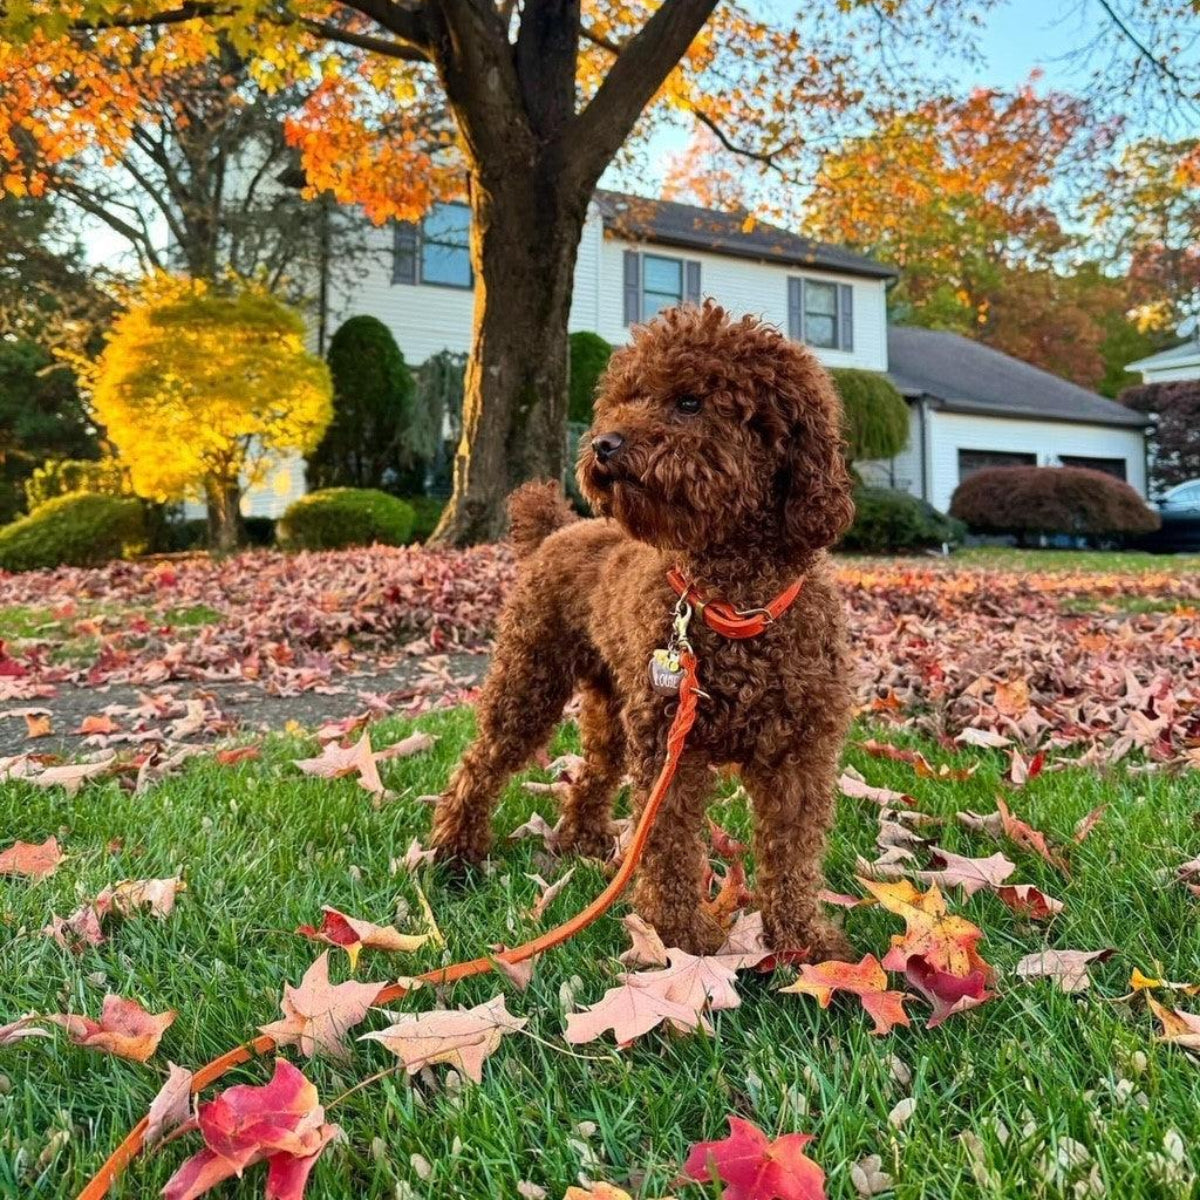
(364, 41)
(766, 157)
(407, 22)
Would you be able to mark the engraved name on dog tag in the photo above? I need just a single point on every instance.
(666, 672)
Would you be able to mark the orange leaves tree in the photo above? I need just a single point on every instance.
(523, 107)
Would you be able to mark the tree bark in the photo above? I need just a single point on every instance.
(524, 241)
(226, 533)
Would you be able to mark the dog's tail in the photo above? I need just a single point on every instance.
(535, 511)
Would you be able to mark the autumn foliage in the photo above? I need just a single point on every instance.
(1175, 408)
(1049, 500)
(197, 389)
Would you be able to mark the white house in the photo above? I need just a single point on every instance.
(1181, 362)
(971, 406)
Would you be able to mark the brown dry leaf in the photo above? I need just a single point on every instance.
(78, 931)
(415, 743)
(1028, 901)
(536, 827)
(970, 874)
(317, 1014)
(548, 892)
(986, 738)
(519, 974)
(336, 761)
(732, 896)
(647, 949)
(630, 1011)
(31, 860)
(1069, 967)
(415, 857)
(851, 783)
(125, 1028)
(355, 935)
(37, 725)
(1011, 698)
(693, 981)
(124, 898)
(172, 1107)
(463, 1038)
(1179, 1028)
(21, 1028)
(1086, 824)
(73, 776)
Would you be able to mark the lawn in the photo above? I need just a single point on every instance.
(1059, 1090)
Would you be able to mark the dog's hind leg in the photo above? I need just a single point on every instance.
(523, 697)
(586, 826)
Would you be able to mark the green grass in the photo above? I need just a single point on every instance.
(1013, 559)
(18, 621)
(262, 849)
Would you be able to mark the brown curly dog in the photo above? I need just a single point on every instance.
(716, 449)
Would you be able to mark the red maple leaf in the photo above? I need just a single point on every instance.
(756, 1168)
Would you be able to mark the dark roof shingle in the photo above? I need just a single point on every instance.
(968, 377)
(668, 223)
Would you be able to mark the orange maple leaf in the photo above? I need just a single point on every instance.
(865, 979)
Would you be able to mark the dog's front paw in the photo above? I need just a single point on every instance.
(818, 937)
(590, 841)
(698, 933)
(455, 841)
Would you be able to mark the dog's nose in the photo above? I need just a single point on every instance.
(607, 446)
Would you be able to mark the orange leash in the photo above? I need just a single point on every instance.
(681, 725)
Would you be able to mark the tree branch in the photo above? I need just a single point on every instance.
(191, 10)
(364, 41)
(644, 62)
(1160, 65)
(407, 22)
(766, 157)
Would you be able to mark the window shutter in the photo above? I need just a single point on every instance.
(404, 252)
(845, 317)
(633, 287)
(691, 290)
(796, 309)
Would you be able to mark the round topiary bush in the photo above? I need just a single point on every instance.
(589, 357)
(1029, 501)
(875, 415)
(77, 530)
(337, 517)
(889, 522)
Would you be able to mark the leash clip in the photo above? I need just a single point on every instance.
(683, 617)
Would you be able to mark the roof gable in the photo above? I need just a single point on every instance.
(968, 377)
(665, 222)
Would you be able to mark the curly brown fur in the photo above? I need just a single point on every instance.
(743, 495)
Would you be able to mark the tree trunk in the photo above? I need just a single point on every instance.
(225, 530)
(524, 240)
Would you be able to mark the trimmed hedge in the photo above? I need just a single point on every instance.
(77, 530)
(62, 476)
(589, 358)
(1051, 500)
(875, 415)
(887, 521)
(337, 517)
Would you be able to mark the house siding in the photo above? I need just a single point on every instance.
(1049, 440)
(426, 319)
(1181, 373)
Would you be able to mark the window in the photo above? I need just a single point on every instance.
(970, 461)
(437, 250)
(821, 313)
(654, 282)
(1109, 466)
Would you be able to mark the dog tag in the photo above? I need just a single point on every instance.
(666, 672)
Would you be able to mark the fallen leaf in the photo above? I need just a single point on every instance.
(630, 1011)
(415, 857)
(868, 1176)
(73, 776)
(354, 935)
(317, 1014)
(1142, 983)
(536, 827)
(126, 897)
(865, 979)
(732, 895)
(851, 783)
(756, 1168)
(336, 761)
(1179, 1028)
(463, 1038)
(280, 1122)
(1086, 824)
(21, 1028)
(171, 1107)
(723, 843)
(987, 738)
(37, 725)
(238, 754)
(1029, 901)
(902, 1113)
(692, 980)
(547, 892)
(101, 723)
(1021, 772)
(947, 994)
(843, 899)
(970, 874)
(1069, 967)
(78, 931)
(647, 949)
(1011, 698)
(415, 743)
(32, 861)
(125, 1028)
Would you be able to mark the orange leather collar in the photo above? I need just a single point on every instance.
(728, 621)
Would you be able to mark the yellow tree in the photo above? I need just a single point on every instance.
(198, 390)
(522, 106)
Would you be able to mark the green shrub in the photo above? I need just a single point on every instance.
(589, 357)
(76, 530)
(427, 512)
(886, 521)
(1050, 500)
(368, 441)
(62, 476)
(337, 517)
(876, 415)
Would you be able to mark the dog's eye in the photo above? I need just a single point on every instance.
(687, 404)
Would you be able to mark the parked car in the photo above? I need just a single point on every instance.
(1180, 512)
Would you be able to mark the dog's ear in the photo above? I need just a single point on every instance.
(816, 485)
